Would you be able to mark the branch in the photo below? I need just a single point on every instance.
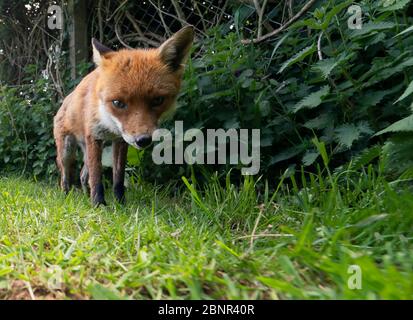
(200, 16)
(290, 8)
(221, 15)
(283, 27)
(179, 12)
(320, 53)
(260, 11)
(100, 20)
(118, 34)
(162, 12)
(141, 36)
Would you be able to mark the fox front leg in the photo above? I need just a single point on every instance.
(120, 150)
(94, 165)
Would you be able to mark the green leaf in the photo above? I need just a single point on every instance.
(217, 95)
(370, 220)
(387, 72)
(397, 154)
(372, 98)
(309, 158)
(346, 134)
(287, 154)
(336, 10)
(282, 286)
(365, 157)
(371, 27)
(313, 100)
(228, 249)
(5, 271)
(134, 156)
(399, 4)
(298, 57)
(410, 29)
(321, 147)
(319, 122)
(264, 107)
(325, 66)
(99, 292)
(310, 23)
(406, 93)
(404, 125)
(194, 194)
(278, 44)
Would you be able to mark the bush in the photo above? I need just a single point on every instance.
(320, 78)
(26, 122)
(317, 79)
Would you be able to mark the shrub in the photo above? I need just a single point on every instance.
(26, 121)
(320, 78)
(317, 79)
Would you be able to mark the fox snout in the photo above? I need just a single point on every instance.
(143, 141)
(138, 140)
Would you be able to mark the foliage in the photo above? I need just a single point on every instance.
(360, 86)
(318, 78)
(26, 122)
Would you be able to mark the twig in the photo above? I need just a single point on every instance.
(179, 12)
(119, 36)
(30, 289)
(116, 10)
(201, 16)
(320, 54)
(261, 208)
(290, 8)
(142, 36)
(160, 13)
(260, 11)
(283, 27)
(100, 20)
(221, 15)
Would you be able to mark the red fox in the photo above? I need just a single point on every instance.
(120, 101)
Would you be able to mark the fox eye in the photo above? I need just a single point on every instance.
(119, 104)
(157, 101)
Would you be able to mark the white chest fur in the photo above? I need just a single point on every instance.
(108, 127)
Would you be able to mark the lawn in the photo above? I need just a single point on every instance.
(225, 242)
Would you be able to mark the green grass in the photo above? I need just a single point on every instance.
(226, 242)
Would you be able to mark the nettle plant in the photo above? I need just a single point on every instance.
(26, 121)
(319, 78)
(342, 84)
(26, 142)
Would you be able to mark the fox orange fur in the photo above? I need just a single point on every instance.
(120, 101)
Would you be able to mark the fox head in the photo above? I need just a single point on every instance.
(135, 87)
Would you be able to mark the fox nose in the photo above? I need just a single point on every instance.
(143, 141)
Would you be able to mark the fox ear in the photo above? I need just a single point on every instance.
(175, 50)
(99, 50)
